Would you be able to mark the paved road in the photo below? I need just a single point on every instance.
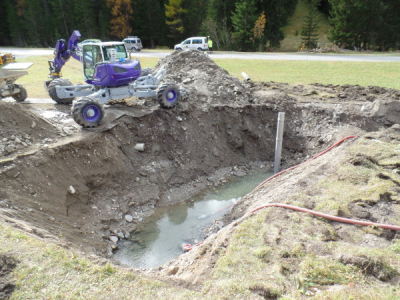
(289, 56)
(20, 52)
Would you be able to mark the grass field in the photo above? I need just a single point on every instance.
(305, 72)
(385, 74)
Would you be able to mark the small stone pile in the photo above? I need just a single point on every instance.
(205, 82)
(13, 143)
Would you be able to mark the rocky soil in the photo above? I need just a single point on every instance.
(88, 189)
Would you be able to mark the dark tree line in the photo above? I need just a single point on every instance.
(366, 24)
(246, 25)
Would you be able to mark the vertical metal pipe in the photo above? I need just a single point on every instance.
(279, 139)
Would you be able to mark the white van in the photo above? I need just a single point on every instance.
(133, 43)
(197, 42)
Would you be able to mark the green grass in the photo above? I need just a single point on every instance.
(295, 23)
(46, 271)
(385, 74)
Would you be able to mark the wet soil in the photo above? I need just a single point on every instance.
(88, 189)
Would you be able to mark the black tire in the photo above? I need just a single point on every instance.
(21, 96)
(178, 49)
(168, 95)
(87, 112)
(133, 49)
(200, 49)
(53, 92)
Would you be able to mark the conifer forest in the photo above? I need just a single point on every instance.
(240, 25)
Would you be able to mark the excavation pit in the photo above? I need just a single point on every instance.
(77, 188)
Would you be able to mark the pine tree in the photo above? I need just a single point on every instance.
(5, 37)
(174, 12)
(149, 21)
(103, 20)
(367, 24)
(62, 23)
(121, 11)
(309, 32)
(84, 20)
(14, 25)
(243, 20)
(258, 31)
(277, 13)
(31, 20)
(221, 11)
(196, 13)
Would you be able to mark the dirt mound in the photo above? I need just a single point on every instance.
(22, 129)
(205, 82)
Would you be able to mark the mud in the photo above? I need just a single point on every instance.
(7, 284)
(86, 189)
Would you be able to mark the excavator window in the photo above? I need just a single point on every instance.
(91, 56)
(120, 49)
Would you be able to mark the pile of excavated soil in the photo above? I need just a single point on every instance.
(205, 82)
(21, 129)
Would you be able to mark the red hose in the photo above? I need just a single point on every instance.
(292, 168)
(296, 166)
(326, 216)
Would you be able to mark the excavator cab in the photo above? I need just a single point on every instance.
(94, 55)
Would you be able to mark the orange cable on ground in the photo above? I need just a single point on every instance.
(326, 216)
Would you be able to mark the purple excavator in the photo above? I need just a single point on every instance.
(109, 73)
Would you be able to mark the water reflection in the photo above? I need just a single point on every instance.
(160, 239)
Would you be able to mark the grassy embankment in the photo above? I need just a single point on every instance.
(385, 74)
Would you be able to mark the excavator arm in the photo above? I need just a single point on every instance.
(62, 53)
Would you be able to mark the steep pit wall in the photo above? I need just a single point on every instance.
(90, 187)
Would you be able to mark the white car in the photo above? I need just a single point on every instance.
(133, 43)
(197, 42)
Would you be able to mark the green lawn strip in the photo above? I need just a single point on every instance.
(46, 271)
(384, 74)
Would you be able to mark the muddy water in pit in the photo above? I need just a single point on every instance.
(161, 237)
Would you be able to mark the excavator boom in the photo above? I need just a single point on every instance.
(62, 53)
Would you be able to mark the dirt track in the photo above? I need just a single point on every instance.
(82, 188)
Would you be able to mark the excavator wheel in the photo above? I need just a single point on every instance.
(87, 112)
(168, 95)
(53, 92)
(21, 96)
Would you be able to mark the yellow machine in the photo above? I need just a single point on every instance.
(6, 58)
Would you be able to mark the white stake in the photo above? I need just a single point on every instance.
(279, 139)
